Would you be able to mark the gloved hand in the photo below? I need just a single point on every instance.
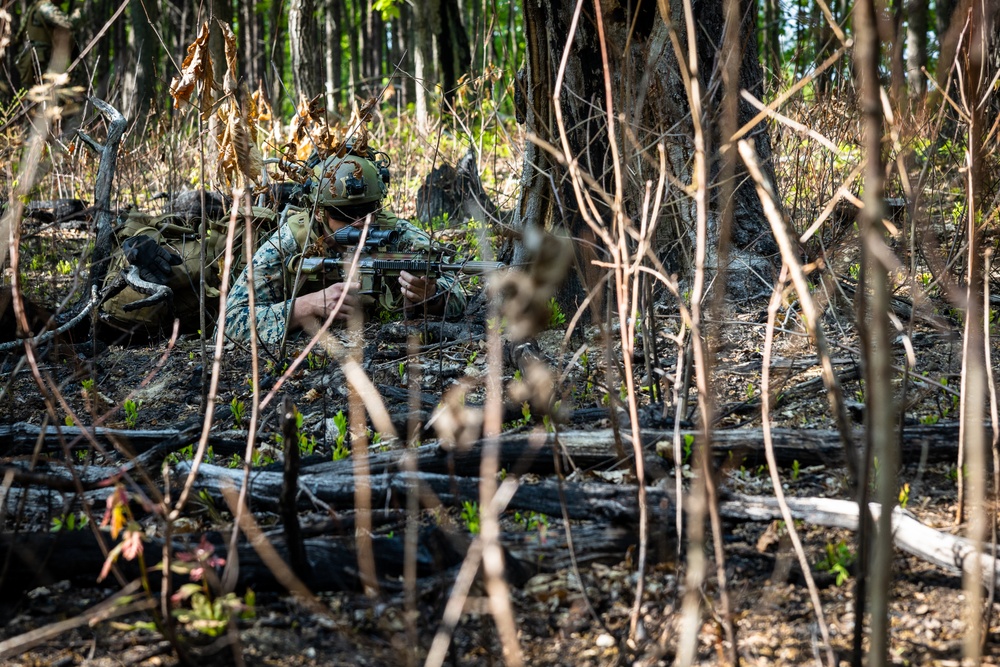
(152, 259)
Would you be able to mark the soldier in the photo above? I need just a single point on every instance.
(49, 41)
(346, 192)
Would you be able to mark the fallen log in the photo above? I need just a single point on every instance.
(590, 449)
(949, 552)
(21, 438)
(583, 500)
(39, 559)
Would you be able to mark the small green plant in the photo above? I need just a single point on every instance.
(688, 447)
(259, 458)
(532, 521)
(238, 408)
(131, 412)
(557, 317)
(401, 369)
(470, 516)
(952, 473)
(750, 391)
(795, 470)
(206, 614)
(315, 361)
(307, 445)
(929, 420)
(837, 561)
(904, 495)
(63, 267)
(88, 385)
(854, 270)
(37, 263)
(69, 421)
(70, 521)
(340, 450)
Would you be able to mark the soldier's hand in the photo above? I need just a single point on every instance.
(351, 304)
(312, 309)
(417, 289)
(152, 259)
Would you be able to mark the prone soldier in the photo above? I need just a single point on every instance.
(346, 192)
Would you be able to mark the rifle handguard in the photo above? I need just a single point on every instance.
(369, 263)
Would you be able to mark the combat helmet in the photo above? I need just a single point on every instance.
(352, 185)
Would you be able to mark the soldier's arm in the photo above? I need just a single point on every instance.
(51, 15)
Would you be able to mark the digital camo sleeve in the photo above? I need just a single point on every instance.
(271, 304)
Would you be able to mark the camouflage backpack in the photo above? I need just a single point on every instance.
(180, 236)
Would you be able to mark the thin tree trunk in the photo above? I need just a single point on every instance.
(332, 21)
(873, 325)
(276, 68)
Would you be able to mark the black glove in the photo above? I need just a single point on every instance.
(152, 259)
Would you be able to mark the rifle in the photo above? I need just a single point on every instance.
(375, 270)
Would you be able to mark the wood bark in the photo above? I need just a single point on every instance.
(454, 52)
(584, 449)
(141, 79)
(275, 49)
(35, 559)
(916, 49)
(647, 87)
(302, 39)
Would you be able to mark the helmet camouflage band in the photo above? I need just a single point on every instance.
(348, 182)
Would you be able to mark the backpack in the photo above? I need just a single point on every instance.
(179, 235)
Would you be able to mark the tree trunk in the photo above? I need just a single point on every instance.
(302, 37)
(916, 49)
(275, 47)
(771, 44)
(398, 54)
(332, 21)
(372, 46)
(454, 52)
(142, 77)
(646, 86)
(424, 18)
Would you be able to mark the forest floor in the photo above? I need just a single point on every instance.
(565, 615)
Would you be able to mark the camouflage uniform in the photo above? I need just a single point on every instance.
(273, 281)
(40, 25)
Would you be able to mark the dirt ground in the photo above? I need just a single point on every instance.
(564, 616)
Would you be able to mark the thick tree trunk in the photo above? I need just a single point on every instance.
(647, 87)
(302, 37)
(372, 39)
(425, 17)
(916, 49)
(454, 52)
(142, 78)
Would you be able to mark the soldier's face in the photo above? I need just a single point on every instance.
(333, 221)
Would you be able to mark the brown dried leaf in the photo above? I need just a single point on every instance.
(196, 67)
(229, 83)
